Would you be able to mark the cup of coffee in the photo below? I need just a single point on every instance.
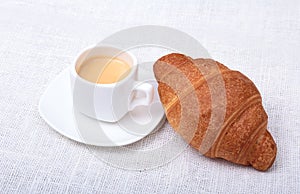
(104, 83)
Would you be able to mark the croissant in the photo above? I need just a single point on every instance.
(216, 110)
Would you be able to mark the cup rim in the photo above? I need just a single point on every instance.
(132, 70)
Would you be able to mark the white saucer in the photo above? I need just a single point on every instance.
(56, 108)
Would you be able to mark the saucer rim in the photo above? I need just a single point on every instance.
(61, 132)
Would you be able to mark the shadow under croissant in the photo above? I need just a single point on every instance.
(260, 154)
(263, 152)
(223, 162)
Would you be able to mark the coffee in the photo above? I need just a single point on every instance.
(103, 70)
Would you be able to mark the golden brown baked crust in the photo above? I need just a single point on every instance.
(188, 89)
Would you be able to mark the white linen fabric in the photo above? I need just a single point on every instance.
(39, 39)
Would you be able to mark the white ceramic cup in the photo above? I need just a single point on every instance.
(109, 102)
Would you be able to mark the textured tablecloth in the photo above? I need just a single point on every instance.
(39, 39)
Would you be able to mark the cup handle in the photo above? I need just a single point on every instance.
(141, 95)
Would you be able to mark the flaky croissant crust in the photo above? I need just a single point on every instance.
(190, 91)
